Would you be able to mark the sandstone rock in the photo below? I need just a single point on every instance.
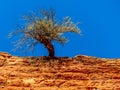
(2, 81)
(5, 54)
(61, 73)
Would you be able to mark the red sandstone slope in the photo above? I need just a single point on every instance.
(78, 73)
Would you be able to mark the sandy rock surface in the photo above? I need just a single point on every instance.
(78, 73)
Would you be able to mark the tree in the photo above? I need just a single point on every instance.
(44, 28)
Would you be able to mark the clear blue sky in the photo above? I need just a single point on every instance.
(100, 25)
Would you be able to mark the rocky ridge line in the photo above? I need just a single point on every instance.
(78, 73)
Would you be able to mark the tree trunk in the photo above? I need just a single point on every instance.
(48, 45)
(50, 48)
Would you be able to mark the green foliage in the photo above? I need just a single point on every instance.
(44, 28)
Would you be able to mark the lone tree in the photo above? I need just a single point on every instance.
(44, 28)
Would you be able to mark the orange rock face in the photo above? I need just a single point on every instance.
(78, 73)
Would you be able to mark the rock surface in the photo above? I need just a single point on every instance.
(78, 73)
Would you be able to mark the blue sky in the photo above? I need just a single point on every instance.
(100, 25)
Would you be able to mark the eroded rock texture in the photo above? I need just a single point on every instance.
(40, 73)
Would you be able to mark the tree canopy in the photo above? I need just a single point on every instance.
(44, 28)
